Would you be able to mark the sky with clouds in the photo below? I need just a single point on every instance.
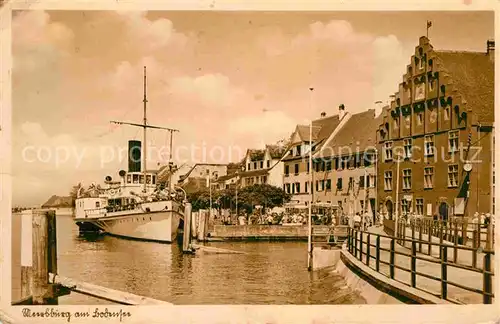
(227, 80)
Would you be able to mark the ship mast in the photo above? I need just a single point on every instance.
(145, 100)
(144, 125)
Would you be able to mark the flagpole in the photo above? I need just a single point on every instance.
(309, 236)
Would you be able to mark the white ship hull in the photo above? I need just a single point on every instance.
(158, 226)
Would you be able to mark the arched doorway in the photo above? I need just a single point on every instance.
(443, 211)
(388, 206)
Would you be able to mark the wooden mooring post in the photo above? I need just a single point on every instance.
(186, 239)
(40, 282)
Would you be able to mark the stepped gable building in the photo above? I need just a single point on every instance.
(296, 179)
(344, 169)
(441, 125)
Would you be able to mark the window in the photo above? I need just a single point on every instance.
(154, 179)
(396, 123)
(255, 165)
(268, 163)
(388, 180)
(420, 118)
(388, 151)
(298, 150)
(296, 168)
(321, 185)
(370, 181)
(141, 178)
(336, 163)
(293, 188)
(446, 113)
(428, 177)
(261, 164)
(328, 165)
(248, 167)
(431, 84)
(317, 185)
(407, 147)
(339, 184)
(362, 181)
(429, 145)
(136, 178)
(307, 186)
(322, 165)
(297, 187)
(287, 170)
(129, 178)
(453, 175)
(419, 206)
(405, 206)
(264, 179)
(328, 184)
(357, 160)
(420, 63)
(288, 188)
(453, 141)
(148, 179)
(97, 204)
(407, 179)
(307, 167)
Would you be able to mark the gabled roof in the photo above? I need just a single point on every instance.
(58, 201)
(473, 76)
(276, 151)
(256, 154)
(321, 131)
(304, 131)
(182, 177)
(357, 134)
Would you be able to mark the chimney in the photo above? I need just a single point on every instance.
(341, 111)
(323, 114)
(490, 49)
(134, 156)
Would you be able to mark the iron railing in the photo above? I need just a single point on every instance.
(357, 239)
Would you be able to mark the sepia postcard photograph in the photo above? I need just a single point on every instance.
(312, 159)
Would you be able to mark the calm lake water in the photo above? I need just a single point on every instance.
(270, 272)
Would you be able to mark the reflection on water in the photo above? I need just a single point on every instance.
(270, 272)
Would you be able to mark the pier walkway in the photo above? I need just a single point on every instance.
(457, 282)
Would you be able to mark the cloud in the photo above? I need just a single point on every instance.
(38, 42)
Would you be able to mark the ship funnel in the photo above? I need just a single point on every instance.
(134, 156)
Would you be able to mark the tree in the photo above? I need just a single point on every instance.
(265, 195)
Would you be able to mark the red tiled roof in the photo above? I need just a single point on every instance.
(473, 77)
(357, 134)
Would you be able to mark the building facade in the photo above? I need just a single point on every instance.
(438, 132)
(263, 166)
(344, 172)
(296, 177)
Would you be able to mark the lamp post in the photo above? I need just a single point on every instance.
(309, 237)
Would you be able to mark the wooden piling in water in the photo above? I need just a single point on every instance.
(202, 218)
(186, 240)
(26, 254)
(194, 223)
(40, 257)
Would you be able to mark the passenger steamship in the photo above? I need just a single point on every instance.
(135, 206)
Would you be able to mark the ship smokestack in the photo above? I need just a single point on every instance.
(134, 156)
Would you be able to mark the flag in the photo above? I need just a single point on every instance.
(429, 24)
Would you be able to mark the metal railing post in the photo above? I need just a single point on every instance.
(377, 254)
(413, 264)
(444, 272)
(474, 251)
(487, 282)
(355, 243)
(391, 260)
(360, 246)
(368, 249)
